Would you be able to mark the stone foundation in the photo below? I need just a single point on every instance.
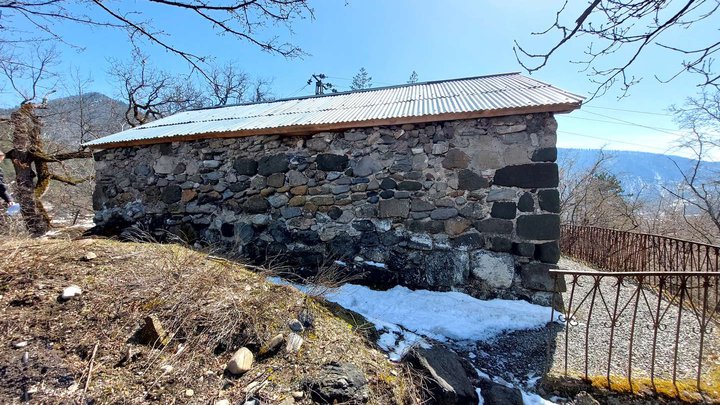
(466, 205)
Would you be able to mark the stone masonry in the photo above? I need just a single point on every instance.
(469, 205)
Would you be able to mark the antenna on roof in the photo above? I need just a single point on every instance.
(320, 87)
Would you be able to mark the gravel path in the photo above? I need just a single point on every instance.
(520, 357)
(599, 333)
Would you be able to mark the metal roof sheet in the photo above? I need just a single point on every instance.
(483, 94)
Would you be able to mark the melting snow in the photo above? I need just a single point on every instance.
(441, 316)
(407, 317)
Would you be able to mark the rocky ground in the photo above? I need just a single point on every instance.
(162, 323)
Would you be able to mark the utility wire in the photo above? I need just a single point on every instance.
(298, 91)
(630, 111)
(632, 124)
(629, 122)
(613, 140)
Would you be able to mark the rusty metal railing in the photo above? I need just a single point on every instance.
(638, 325)
(612, 250)
(650, 313)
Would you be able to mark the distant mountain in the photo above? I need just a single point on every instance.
(638, 172)
(68, 119)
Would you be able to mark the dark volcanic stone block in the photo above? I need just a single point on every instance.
(268, 165)
(524, 249)
(548, 252)
(334, 213)
(494, 225)
(504, 210)
(409, 185)
(419, 205)
(499, 244)
(526, 203)
(394, 208)
(469, 180)
(171, 194)
(536, 175)
(307, 237)
(539, 227)
(545, 155)
(456, 159)
(388, 184)
(245, 167)
(428, 226)
(537, 276)
(256, 205)
(385, 194)
(549, 200)
(470, 240)
(331, 163)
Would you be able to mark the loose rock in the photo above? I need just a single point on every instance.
(241, 362)
(294, 343)
(272, 346)
(296, 326)
(152, 333)
(337, 383)
(70, 292)
(453, 385)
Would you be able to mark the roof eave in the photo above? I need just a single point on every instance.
(299, 130)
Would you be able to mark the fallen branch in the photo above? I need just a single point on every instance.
(90, 369)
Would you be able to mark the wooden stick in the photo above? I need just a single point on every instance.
(90, 369)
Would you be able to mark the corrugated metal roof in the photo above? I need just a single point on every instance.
(484, 94)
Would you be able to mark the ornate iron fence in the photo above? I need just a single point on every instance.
(650, 313)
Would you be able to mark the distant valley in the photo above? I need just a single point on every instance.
(638, 172)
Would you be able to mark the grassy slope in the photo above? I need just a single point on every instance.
(212, 307)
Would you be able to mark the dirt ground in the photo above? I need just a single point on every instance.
(56, 351)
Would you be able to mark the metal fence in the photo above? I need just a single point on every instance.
(649, 314)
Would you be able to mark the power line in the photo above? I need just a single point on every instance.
(298, 91)
(627, 123)
(630, 122)
(613, 140)
(630, 111)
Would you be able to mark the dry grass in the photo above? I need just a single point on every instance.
(210, 307)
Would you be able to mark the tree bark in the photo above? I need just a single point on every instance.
(32, 168)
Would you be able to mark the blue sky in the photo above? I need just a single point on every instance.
(439, 40)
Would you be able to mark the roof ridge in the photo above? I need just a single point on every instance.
(341, 93)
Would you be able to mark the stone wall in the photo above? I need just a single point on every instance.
(468, 205)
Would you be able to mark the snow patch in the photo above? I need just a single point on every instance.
(535, 399)
(441, 316)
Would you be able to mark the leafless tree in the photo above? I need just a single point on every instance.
(594, 197)
(619, 32)
(699, 193)
(261, 91)
(151, 93)
(227, 84)
(240, 19)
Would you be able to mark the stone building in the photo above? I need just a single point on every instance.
(441, 185)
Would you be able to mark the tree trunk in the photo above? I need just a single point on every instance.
(26, 142)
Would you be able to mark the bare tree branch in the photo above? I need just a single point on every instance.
(629, 27)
